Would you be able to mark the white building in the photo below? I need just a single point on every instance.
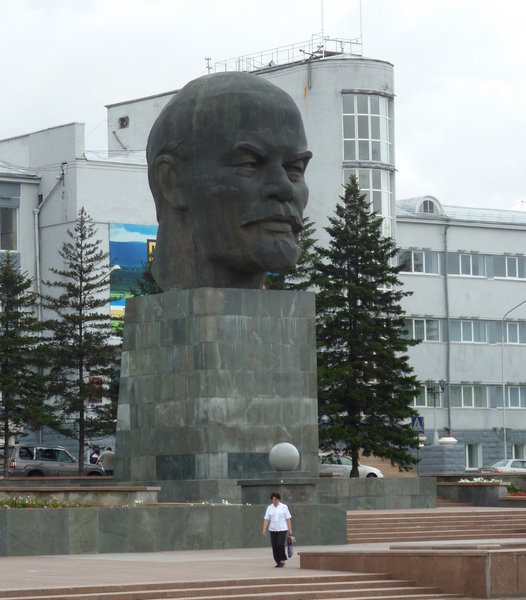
(55, 179)
(466, 268)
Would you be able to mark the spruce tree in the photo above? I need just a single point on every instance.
(23, 357)
(85, 355)
(366, 385)
(298, 278)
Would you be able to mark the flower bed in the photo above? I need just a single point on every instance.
(478, 491)
(32, 502)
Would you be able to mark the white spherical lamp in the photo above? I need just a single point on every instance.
(284, 457)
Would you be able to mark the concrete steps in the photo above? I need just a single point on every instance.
(443, 524)
(360, 586)
(447, 503)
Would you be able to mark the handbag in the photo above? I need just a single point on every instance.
(291, 540)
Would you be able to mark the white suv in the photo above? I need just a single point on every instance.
(42, 461)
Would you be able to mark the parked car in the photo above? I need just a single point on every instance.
(43, 461)
(339, 464)
(511, 465)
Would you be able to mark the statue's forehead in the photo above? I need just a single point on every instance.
(250, 120)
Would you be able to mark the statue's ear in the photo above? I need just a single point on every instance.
(166, 175)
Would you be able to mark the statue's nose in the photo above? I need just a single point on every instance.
(277, 185)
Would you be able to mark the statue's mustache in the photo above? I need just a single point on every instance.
(273, 211)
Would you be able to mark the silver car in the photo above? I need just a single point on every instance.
(45, 461)
(339, 464)
(511, 465)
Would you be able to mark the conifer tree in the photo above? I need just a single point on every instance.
(85, 355)
(145, 284)
(23, 358)
(365, 382)
(298, 278)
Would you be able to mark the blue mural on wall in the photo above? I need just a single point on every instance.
(130, 248)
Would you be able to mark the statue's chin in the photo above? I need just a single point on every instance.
(278, 257)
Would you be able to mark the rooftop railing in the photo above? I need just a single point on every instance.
(317, 47)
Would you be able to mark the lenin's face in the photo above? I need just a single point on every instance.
(244, 185)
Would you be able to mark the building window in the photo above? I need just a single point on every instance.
(427, 330)
(479, 331)
(434, 397)
(468, 396)
(473, 456)
(8, 228)
(460, 331)
(467, 331)
(420, 399)
(366, 127)
(514, 332)
(9, 204)
(519, 451)
(459, 263)
(516, 396)
(432, 262)
(421, 261)
(494, 332)
(428, 207)
(511, 267)
(376, 185)
(495, 396)
(427, 398)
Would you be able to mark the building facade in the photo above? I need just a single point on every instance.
(466, 268)
(45, 178)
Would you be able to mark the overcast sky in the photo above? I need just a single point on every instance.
(460, 72)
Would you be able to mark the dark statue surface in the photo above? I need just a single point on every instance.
(226, 163)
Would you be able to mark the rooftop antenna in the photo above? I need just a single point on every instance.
(322, 19)
(208, 67)
(361, 33)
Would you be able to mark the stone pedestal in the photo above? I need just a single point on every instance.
(211, 380)
(293, 490)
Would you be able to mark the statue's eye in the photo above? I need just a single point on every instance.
(295, 169)
(246, 163)
(250, 163)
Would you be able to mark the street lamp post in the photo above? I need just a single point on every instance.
(503, 325)
(108, 274)
(431, 387)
